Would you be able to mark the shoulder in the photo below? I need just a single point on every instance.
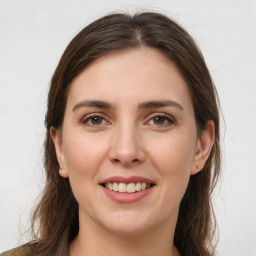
(24, 250)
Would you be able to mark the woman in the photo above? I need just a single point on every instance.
(132, 146)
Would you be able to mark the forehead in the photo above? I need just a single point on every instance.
(131, 75)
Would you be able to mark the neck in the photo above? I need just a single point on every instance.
(93, 240)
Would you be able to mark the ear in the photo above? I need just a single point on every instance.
(203, 148)
(57, 140)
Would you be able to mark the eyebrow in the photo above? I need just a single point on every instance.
(92, 103)
(143, 105)
(160, 104)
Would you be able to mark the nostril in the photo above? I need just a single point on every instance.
(115, 160)
(125, 161)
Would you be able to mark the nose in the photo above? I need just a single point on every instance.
(127, 146)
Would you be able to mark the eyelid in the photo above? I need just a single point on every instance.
(86, 118)
(167, 117)
(171, 120)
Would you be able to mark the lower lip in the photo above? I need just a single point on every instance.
(127, 198)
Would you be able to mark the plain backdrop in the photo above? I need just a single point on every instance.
(33, 35)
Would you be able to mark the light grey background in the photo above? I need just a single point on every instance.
(33, 35)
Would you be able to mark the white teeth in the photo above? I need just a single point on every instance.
(122, 187)
(129, 188)
(138, 186)
(110, 186)
(115, 186)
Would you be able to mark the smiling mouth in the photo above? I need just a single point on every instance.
(132, 187)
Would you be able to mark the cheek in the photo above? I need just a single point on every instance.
(83, 154)
(173, 155)
(173, 160)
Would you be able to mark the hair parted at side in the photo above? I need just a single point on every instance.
(56, 215)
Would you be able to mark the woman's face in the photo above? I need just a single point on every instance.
(129, 126)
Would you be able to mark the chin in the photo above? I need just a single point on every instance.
(127, 223)
(128, 230)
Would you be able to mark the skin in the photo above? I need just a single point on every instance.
(128, 139)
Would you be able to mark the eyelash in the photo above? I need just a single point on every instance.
(90, 118)
(165, 117)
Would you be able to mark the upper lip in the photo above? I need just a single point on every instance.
(127, 180)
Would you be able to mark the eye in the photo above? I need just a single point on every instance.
(161, 120)
(94, 120)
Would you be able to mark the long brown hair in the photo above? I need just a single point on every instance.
(56, 215)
